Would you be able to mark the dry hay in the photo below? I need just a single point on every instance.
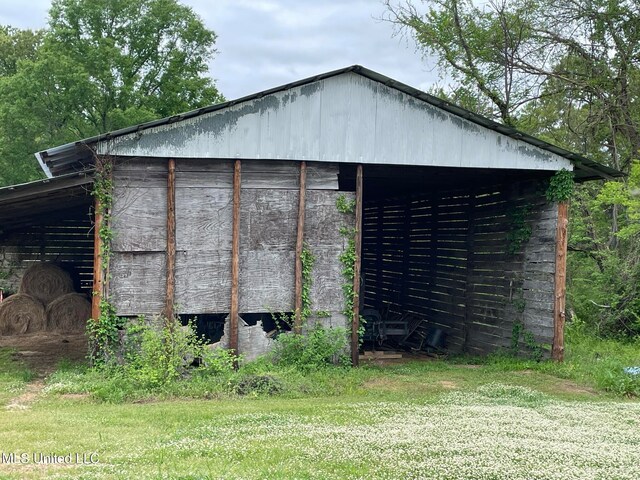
(46, 282)
(69, 313)
(21, 313)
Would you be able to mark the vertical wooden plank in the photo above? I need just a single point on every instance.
(171, 240)
(560, 282)
(297, 327)
(235, 259)
(355, 323)
(97, 262)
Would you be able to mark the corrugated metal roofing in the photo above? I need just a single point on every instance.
(251, 141)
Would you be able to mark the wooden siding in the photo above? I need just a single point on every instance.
(268, 213)
(446, 257)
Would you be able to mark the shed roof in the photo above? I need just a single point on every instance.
(352, 115)
(26, 203)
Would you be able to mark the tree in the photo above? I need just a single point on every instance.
(102, 65)
(568, 72)
(17, 45)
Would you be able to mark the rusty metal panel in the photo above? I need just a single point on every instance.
(345, 118)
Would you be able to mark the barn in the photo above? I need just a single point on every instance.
(426, 222)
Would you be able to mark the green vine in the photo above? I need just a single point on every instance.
(103, 331)
(348, 261)
(516, 332)
(103, 335)
(308, 260)
(103, 193)
(560, 187)
(520, 335)
(520, 231)
(345, 206)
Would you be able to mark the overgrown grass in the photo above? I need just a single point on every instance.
(257, 379)
(590, 361)
(593, 364)
(494, 418)
(601, 363)
(14, 375)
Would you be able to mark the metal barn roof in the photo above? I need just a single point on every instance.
(351, 115)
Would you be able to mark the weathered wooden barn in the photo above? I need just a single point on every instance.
(212, 208)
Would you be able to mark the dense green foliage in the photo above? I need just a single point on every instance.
(590, 362)
(99, 66)
(569, 73)
(159, 351)
(317, 348)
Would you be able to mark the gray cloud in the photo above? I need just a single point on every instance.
(266, 43)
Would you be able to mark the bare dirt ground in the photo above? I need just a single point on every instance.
(43, 351)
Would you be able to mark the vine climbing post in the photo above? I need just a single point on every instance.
(559, 191)
(103, 329)
(557, 352)
(355, 322)
(171, 241)
(97, 261)
(102, 234)
(297, 323)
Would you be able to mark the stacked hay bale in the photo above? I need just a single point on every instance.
(21, 313)
(45, 301)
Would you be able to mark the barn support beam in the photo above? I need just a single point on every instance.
(557, 352)
(355, 320)
(98, 274)
(235, 258)
(171, 241)
(297, 326)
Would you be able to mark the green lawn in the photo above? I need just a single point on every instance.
(440, 420)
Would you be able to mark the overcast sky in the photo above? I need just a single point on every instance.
(266, 43)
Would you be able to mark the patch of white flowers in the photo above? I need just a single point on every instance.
(495, 432)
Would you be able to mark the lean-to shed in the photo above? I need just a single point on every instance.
(452, 231)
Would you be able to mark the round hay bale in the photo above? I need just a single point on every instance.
(68, 313)
(21, 313)
(46, 282)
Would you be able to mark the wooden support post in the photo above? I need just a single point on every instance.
(235, 259)
(98, 274)
(355, 322)
(297, 326)
(171, 241)
(560, 282)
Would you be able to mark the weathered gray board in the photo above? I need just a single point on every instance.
(268, 223)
